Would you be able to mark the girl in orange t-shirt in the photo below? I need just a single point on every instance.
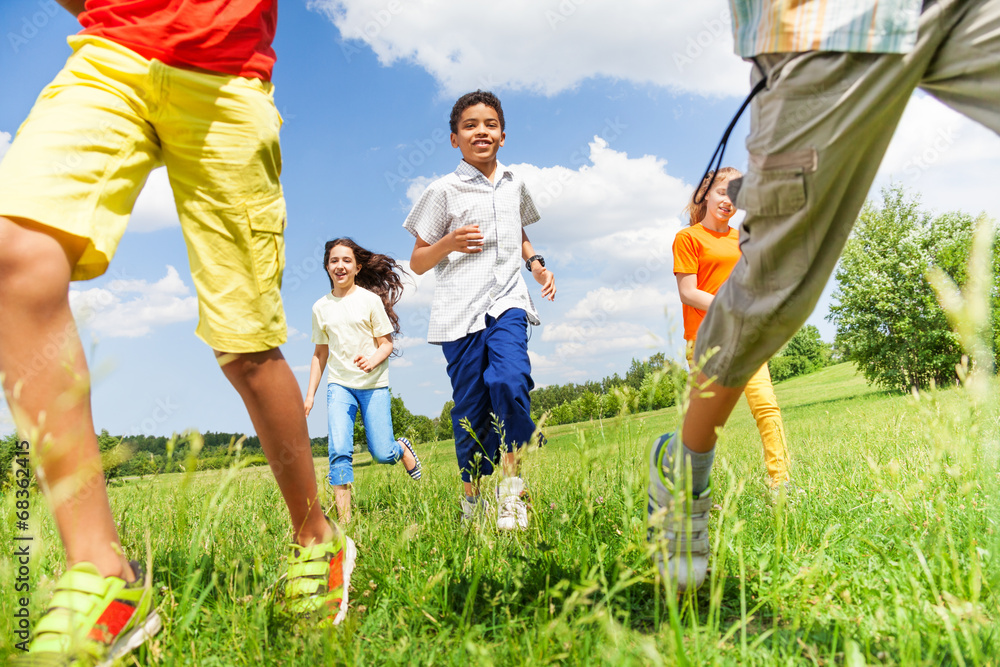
(704, 256)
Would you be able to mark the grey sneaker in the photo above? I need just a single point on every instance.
(677, 526)
(473, 513)
(512, 512)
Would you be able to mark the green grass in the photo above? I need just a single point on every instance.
(886, 552)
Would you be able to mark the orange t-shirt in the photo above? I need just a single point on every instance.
(709, 255)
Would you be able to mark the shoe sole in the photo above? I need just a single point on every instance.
(133, 640)
(516, 526)
(350, 556)
(516, 521)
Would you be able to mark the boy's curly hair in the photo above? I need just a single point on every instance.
(471, 100)
(380, 274)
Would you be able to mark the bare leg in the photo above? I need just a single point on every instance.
(408, 460)
(511, 467)
(510, 463)
(47, 385)
(709, 410)
(274, 401)
(342, 498)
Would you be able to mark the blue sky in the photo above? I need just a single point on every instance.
(612, 111)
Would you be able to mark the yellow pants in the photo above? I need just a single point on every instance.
(111, 116)
(764, 408)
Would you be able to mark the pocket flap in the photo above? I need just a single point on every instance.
(269, 218)
(772, 192)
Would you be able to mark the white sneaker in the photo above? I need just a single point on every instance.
(512, 512)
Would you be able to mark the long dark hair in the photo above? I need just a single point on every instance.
(380, 274)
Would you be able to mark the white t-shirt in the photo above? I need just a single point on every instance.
(350, 325)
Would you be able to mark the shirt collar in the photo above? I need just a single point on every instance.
(467, 172)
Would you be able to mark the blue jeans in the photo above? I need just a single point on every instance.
(490, 375)
(341, 408)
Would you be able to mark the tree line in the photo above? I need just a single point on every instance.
(134, 455)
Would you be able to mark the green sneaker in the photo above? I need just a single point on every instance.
(92, 620)
(318, 578)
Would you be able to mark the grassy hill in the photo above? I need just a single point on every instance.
(885, 552)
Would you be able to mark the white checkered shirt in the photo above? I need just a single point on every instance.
(473, 285)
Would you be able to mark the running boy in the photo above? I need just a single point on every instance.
(156, 82)
(836, 78)
(469, 228)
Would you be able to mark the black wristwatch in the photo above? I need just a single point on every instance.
(541, 260)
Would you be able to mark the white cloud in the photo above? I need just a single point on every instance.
(416, 188)
(943, 156)
(541, 363)
(616, 213)
(304, 368)
(295, 334)
(631, 304)
(400, 362)
(547, 46)
(154, 209)
(132, 308)
(4, 143)
(418, 291)
(576, 340)
(407, 342)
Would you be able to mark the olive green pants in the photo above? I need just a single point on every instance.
(818, 132)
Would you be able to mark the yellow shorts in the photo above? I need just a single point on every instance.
(111, 116)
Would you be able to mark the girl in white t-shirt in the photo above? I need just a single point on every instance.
(352, 327)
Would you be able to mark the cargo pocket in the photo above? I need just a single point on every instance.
(775, 184)
(267, 243)
(774, 236)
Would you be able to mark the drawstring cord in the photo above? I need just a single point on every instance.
(720, 150)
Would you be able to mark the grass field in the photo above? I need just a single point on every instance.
(887, 551)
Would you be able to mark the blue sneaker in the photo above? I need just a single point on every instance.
(677, 526)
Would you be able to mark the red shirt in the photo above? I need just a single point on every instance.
(711, 256)
(226, 36)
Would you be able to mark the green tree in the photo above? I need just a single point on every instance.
(444, 431)
(887, 315)
(563, 414)
(590, 406)
(8, 446)
(657, 391)
(804, 353)
(114, 453)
